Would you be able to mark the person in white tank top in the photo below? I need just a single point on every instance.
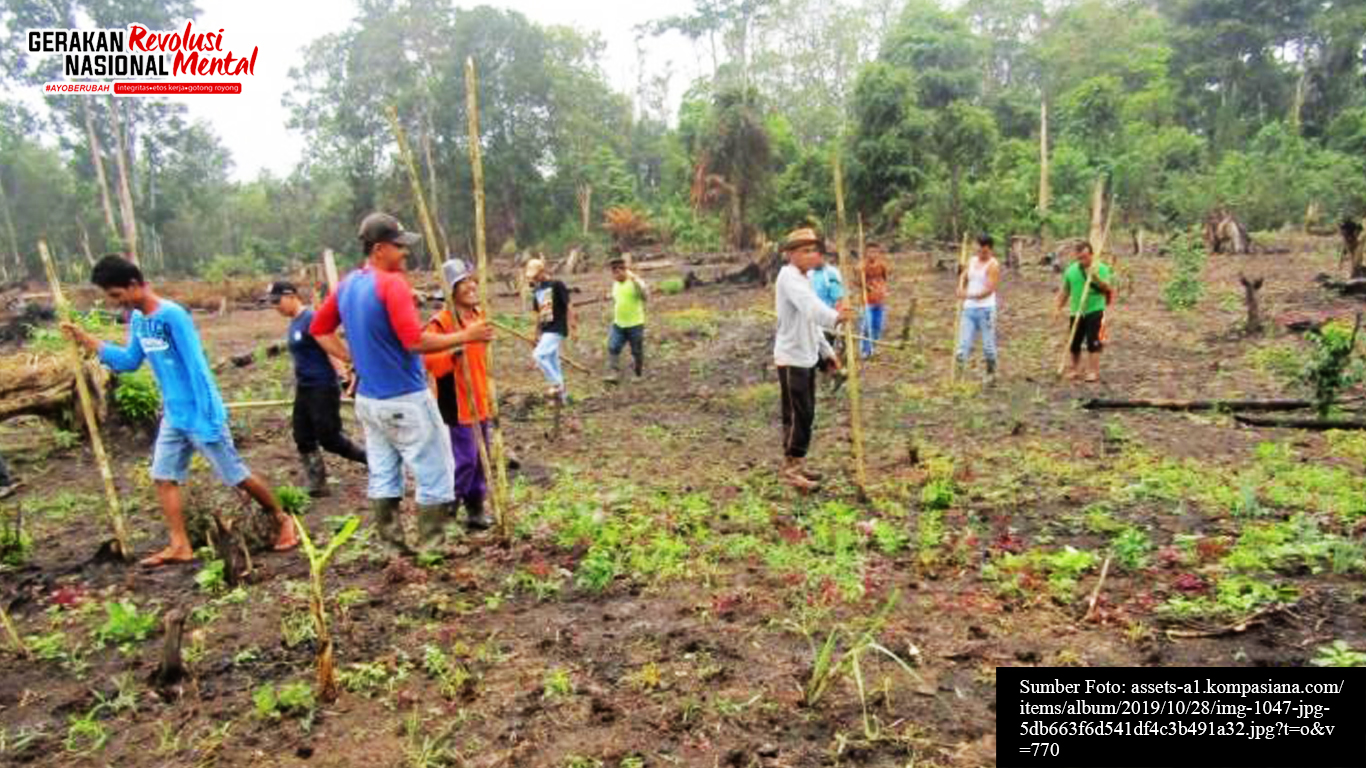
(977, 288)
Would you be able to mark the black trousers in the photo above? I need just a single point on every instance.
(1088, 331)
(799, 408)
(317, 422)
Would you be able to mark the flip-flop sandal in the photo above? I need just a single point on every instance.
(289, 548)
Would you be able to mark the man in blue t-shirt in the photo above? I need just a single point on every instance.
(193, 418)
(317, 393)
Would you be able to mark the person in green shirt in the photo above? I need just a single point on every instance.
(1090, 328)
(629, 295)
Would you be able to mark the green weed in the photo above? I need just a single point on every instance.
(1339, 654)
(124, 625)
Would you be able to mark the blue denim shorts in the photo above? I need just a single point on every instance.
(175, 447)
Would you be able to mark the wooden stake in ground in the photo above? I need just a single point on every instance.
(13, 633)
(850, 350)
(957, 310)
(1045, 191)
(481, 252)
(119, 546)
(435, 247)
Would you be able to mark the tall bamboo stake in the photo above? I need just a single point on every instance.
(435, 247)
(481, 251)
(850, 350)
(1045, 188)
(957, 309)
(111, 494)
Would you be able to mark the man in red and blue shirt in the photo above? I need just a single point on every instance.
(400, 416)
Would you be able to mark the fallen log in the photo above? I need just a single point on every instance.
(1316, 425)
(1102, 404)
(44, 385)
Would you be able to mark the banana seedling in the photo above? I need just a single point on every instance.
(317, 565)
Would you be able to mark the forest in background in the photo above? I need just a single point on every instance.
(1180, 106)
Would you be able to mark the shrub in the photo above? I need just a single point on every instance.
(136, 397)
(671, 286)
(1184, 290)
(1333, 365)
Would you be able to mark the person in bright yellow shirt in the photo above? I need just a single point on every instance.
(629, 295)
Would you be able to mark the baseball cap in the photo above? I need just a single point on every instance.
(280, 289)
(380, 227)
(534, 268)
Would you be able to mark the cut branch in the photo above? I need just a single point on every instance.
(1099, 404)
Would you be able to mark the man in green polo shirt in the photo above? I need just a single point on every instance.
(629, 295)
(1099, 295)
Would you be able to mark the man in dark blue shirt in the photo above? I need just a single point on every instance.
(317, 393)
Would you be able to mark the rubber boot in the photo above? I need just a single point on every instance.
(614, 370)
(989, 378)
(386, 520)
(316, 472)
(431, 525)
(477, 517)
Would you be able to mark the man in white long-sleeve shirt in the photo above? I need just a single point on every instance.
(798, 347)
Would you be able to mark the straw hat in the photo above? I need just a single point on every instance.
(800, 237)
(534, 268)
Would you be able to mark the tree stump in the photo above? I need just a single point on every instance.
(1254, 312)
(1225, 234)
(1352, 247)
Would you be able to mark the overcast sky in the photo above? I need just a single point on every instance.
(252, 124)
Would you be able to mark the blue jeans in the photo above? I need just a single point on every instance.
(977, 321)
(547, 356)
(407, 430)
(175, 447)
(873, 317)
(618, 337)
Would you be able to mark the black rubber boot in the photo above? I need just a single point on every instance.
(316, 472)
(477, 517)
(386, 520)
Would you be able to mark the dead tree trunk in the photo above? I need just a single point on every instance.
(97, 160)
(1352, 246)
(1254, 312)
(1015, 256)
(130, 224)
(1225, 234)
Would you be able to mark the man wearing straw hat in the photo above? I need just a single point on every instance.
(1087, 279)
(799, 346)
(550, 302)
(386, 340)
(462, 394)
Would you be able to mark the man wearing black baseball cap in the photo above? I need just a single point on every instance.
(386, 340)
(317, 393)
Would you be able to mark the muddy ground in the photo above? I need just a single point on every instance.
(663, 595)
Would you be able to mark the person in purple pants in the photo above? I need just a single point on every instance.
(455, 374)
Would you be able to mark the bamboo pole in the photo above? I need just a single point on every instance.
(111, 494)
(436, 248)
(957, 309)
(249, 405)
(500, 488)
(1045, 189)
(514, 332)
(860, 337)
(850, 351)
